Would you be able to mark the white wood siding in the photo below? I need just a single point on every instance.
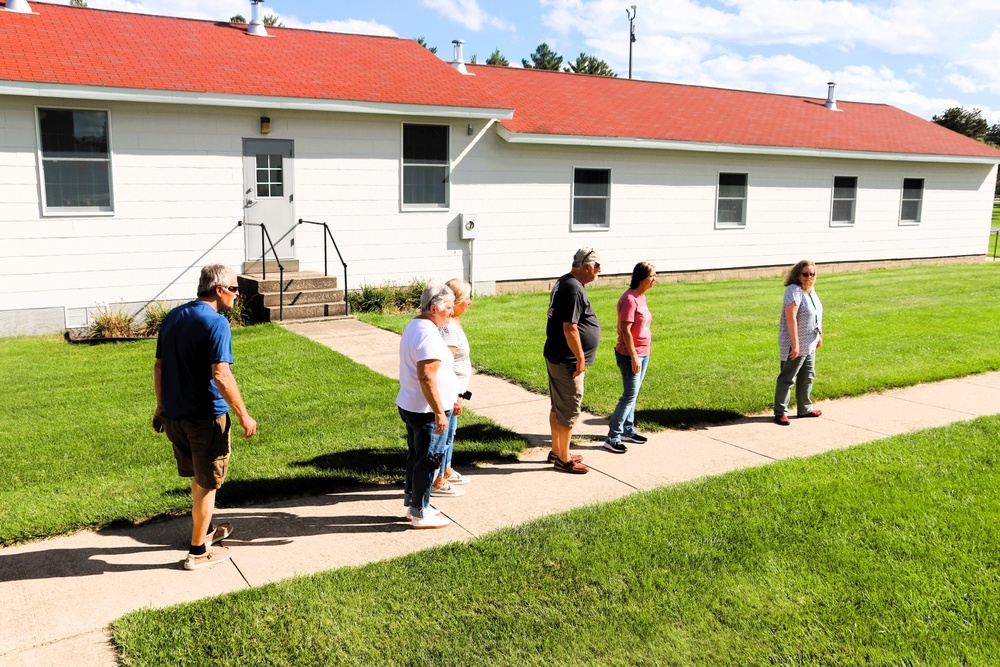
(178, 184)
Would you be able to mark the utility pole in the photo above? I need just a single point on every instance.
(631, 39)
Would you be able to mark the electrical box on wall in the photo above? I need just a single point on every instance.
(468, 225)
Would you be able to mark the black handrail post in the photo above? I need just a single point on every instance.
(326, 272)
(328, 234)
(263, 253)
(281, 293)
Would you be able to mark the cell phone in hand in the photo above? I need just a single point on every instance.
(157, 424)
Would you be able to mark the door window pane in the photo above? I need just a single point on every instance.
(270, 176)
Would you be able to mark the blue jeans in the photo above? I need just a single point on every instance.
(424, 454)
(623, 418)
(449, 444)
(800, 371)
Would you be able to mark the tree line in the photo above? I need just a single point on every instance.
(545, 58)
(973, 125)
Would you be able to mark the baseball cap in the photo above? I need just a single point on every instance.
(584, 255)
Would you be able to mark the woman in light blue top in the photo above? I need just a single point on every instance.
(800, 333)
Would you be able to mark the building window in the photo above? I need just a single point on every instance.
(270, 181)
(591, 198)
(76, 160)
(732, 201)
(845, 197)
(913, 198)
(425, 166)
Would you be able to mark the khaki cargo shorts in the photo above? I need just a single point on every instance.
(201, 447)
(565, 392)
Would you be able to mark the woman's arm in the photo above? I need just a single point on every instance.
(625, 330)
(791, 315)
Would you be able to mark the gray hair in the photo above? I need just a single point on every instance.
(435, 294)
(213, 276)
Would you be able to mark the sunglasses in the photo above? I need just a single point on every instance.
(806, 274)
(232, 288)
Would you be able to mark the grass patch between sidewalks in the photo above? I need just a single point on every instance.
(884, 553)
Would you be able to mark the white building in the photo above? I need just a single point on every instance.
(131, 145)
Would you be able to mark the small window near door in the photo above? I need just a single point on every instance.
(425, 166)
(731, 210)
(913, 199)
(75, 148)
(845, 197)
(591, 199)
(270, 179)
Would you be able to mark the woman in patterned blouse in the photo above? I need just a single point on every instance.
(800, 333)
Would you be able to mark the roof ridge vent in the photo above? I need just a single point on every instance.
(831, 99)
(458, 61)
(19, 6)
(256, 27)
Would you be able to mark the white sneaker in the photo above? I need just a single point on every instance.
(447, 489)
(430, 511)
(433, 521)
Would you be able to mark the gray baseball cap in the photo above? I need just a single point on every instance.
(584, 255)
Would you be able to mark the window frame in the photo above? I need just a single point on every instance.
(920, 201)
(745, 199)
(854, 207)
(73, 211)
(403, 164)
(577, 227)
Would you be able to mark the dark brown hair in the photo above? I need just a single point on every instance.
(641, 271)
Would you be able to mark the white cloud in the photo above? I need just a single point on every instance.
(467, 13)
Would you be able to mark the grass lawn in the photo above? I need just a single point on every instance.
(715, 350)
(992, 250)
(78, 452)
(881, 554)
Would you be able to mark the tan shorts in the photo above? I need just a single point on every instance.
(201, 447)
(565, 392)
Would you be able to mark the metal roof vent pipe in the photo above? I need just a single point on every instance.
(458, 62)
(256, 27)
(831, 99)
(19, 6)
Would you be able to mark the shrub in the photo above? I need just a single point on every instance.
(389, 298)
(152, 317)
(112, 321)
(238, 315)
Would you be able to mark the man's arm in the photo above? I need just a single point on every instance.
(158, 388)
(427, 376)
(572, 333)
(226, 383)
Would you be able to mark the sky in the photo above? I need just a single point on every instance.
(923, 56)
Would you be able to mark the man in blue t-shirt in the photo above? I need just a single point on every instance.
(572, 334)
(195, 389)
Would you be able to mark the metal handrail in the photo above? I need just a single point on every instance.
(263, 265)
(326, 228)
(995, 231)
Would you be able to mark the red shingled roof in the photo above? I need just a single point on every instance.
(556, 103)
(89, 47)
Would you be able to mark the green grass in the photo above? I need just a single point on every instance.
(992, 249)
(78, 451)
(715, 351)
(882, 554)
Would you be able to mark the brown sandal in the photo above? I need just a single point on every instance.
(572, 457)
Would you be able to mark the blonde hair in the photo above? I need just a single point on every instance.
(461, 288)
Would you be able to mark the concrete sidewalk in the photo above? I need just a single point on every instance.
(59, 595)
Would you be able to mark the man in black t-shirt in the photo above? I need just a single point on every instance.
(572, 334)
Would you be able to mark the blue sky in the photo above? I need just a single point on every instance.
(920, 55)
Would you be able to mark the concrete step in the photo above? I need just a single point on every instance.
(293, 281)
(270, 265)
(271, 299)
(306, 311)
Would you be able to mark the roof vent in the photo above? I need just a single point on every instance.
(256, 27)
(458, 62)
(19, 6)
(831, 100)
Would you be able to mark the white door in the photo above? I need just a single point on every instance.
(268, 178)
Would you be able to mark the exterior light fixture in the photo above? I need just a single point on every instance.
(265, 125)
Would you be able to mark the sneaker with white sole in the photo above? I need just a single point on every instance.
(211, 556)
(433, 521)
(634, 438)
(616, 447)
(222, 531)
(429, 511)
(447, 490)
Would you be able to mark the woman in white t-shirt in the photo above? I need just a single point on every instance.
(426, 398)
(632, 355)
(454, 337)
(800, 333)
